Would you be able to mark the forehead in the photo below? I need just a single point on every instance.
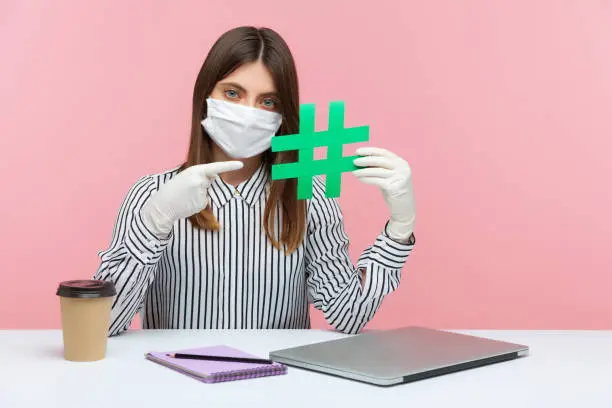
(254, 77)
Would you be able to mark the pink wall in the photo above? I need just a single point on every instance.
(502, 108)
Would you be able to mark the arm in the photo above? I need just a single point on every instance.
(335, 285)
(143, 229)
(130, 260)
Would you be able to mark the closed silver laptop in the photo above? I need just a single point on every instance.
(401, 355)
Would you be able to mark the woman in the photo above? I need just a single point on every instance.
(215, 243)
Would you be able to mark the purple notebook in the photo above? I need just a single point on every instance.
(216, 371)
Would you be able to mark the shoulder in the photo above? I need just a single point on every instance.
(164, 176)
(146, 184)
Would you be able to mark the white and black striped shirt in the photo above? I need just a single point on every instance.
(234, 278)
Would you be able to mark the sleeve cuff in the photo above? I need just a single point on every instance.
(387, 252)
(410, 240)
(143, 244)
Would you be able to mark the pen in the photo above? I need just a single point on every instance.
(221, 358)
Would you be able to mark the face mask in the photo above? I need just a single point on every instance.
(241, 131)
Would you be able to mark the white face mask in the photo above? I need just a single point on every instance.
(241, 131)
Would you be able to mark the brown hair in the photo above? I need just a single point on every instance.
(234, 48)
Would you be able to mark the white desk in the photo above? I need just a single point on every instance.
(565, 369)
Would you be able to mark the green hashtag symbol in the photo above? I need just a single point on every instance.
(307, 140)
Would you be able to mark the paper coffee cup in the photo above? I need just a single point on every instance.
(86, 310)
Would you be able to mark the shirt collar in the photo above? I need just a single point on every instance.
(249, 190)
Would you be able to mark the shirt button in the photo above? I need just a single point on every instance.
(236, 192)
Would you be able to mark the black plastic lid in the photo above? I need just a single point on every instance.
(86, 289)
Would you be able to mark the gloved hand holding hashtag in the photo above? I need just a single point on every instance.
(393, 176)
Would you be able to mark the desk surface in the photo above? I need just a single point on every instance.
(565, 369)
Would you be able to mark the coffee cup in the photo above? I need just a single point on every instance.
(85, 313)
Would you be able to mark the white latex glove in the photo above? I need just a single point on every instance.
(182, 196)
(393, 176)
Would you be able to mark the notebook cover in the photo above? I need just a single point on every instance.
(216, 371)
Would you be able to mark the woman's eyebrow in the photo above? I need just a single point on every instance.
(275, 94)
(235, 85)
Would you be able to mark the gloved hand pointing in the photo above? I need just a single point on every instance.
(393, 176)
(182, 196)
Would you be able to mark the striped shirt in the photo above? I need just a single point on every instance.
(234, 278)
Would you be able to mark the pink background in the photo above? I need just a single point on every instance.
(502, 109)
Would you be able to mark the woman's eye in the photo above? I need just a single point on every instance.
(269, 103)
(230, 93)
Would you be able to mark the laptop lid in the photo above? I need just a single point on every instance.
(399, 355)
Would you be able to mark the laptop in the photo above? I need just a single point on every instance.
(396, 356)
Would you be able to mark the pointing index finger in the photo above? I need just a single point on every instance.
(212, 169)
